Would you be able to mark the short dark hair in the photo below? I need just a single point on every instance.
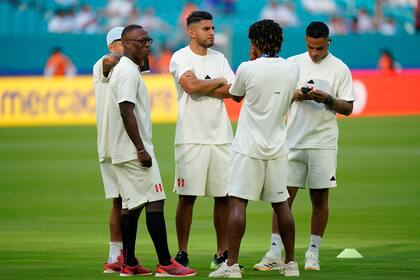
(317, 29)
(267, 36)
(197, 16)
(129, 28)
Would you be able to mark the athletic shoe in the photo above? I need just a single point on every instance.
(182, 258)
(291, 269)
(218, 260)
(311, 261)
(114, 267)
(135, 270)
(175, 269)
(225, 271)
(269, 262)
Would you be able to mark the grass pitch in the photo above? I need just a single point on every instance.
(53, 218)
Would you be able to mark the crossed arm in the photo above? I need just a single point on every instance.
(217, 87)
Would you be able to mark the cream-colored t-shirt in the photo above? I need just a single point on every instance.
(126, 84)
(268, 85)
(311, 124)
(201, 119)
(102, 97)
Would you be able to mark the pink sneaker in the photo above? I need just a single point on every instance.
(135, 270)
(174, 270)
(114, 267)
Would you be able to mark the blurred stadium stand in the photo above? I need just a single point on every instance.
(27, 42)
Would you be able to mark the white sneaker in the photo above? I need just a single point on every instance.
(269, 262)
(225, 271)
(291, 269)
(311, 261)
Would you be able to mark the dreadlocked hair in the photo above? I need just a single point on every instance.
(267, 36)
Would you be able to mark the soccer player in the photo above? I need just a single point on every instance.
(312, 135)
(259, 161)
(203, 132)
(100, 78)
(132, 155)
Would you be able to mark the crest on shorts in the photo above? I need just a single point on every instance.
(181, 183)
(159, 187)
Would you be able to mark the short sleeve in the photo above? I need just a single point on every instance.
(178, 66)
(345, 87)
(127, 85)
(227, 71)
(238, 87)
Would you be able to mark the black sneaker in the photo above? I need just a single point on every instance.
(182, 258)
(218, 260)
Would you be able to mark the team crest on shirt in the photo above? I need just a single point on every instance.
(181, 182)
(159, 187)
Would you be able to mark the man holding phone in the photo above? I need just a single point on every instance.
(324, 89)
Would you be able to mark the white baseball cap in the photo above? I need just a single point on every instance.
(114, 34)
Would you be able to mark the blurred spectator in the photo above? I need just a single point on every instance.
(149, 20)
(161, 64)
(401, 3)
(320, 6)
(228, 6)
(59, 65)
(118, 12)
(284, 14)
(387, 27)
(188, 8)
(365, 22)
(61, 22)
(387, 63)
(86, 20)
(67, 3)
(337, 26)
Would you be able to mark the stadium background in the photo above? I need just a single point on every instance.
(53, 218)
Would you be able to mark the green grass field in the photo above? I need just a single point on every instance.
(53, 217)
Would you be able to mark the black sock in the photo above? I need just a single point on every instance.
(157, 229)
(129, 222)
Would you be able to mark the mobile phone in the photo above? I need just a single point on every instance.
(305, 90)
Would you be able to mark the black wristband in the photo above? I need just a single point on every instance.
(329, 101)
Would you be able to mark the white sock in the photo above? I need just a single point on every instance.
(115, 248)
(276, 245)
(314, 243)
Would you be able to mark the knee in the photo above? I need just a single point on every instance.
(155, 206)
(186, 200)
(117, 203)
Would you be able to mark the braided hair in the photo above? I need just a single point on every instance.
(267, 36)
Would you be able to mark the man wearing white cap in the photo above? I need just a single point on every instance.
(101, 75)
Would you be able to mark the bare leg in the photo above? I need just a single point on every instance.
(236, 227)
(319, 198)
(286, 228)
(292, 193)
(115, 220)
(184, 213)
(220, 220)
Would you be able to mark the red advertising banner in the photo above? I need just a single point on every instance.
(377, 94)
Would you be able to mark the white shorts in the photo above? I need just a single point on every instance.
(314, 168)
(202, 170)
(139, 185)
(109, 179)
(258, 179)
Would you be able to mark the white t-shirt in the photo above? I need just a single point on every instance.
(268, 85)
(126, 84)
(102, 96)
(311, 124)
(201, 119)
